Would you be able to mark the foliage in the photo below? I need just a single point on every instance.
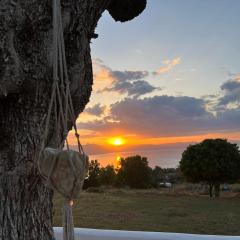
(213, 161)
(134, 172)
(131, 171)
(94, 174)
(107, 175)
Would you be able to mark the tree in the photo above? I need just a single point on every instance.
(25, 89)
(93, 179)
(213, 161)
(134, 172)
(107, 175)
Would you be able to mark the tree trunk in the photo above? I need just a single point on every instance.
(25, 203)
(25, 89)
(217, 190)
(25, 213)
(210, 190)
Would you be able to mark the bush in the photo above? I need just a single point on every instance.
(93, 175)
(107, 176)
(134, 172)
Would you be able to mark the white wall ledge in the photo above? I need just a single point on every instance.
(94, 234)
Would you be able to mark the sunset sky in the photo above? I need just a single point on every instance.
(170, 76)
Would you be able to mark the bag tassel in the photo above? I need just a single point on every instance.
(68, 227)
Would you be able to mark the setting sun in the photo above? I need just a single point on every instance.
(117, 141)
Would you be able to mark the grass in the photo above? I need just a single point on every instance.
(154, 210)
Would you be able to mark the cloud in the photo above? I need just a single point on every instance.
(231, 92)
(237, 77)
(102, 75)
(96, 110)
(132, 89)
(161, 116)
(129, 75)
(228, 98)
(131, 83)
(168, 66)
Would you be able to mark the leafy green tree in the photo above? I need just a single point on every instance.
(213, 161)
(93, 179)
(107, 175)
(134, 172)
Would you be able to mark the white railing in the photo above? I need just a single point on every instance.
(94, 234)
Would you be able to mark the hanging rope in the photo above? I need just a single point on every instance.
(61, 110)
(61, 101)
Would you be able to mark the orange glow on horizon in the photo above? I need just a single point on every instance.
(110, 142)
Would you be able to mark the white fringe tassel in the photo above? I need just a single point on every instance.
(68, 227)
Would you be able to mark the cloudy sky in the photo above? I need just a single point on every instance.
(170, 76)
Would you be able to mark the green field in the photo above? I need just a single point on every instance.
(154, 210)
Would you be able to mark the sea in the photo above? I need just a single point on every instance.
(164, 158)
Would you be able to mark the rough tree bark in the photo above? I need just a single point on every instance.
(25, 88)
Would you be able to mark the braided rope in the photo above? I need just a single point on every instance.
(62, 110)
(61, 100)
